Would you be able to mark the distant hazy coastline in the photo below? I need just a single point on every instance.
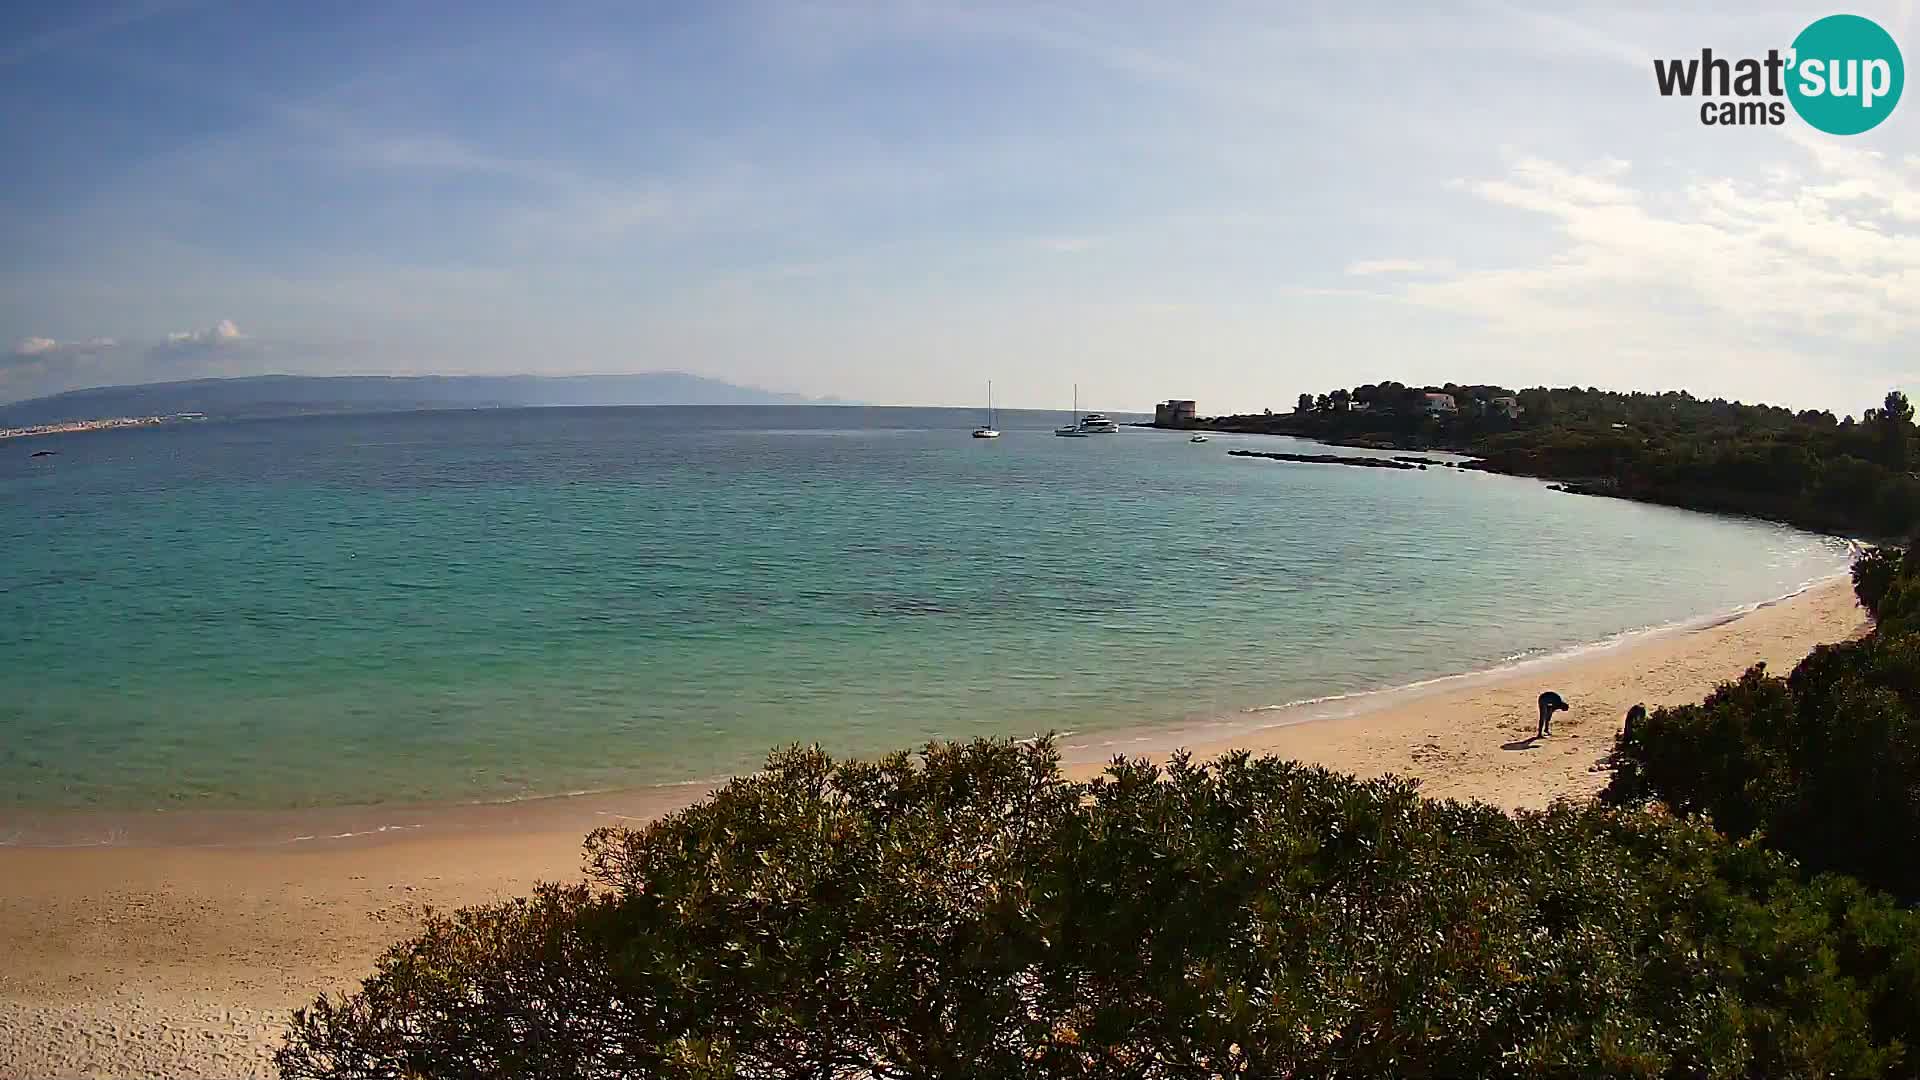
(295, 395)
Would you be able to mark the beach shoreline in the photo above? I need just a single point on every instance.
(143, 958)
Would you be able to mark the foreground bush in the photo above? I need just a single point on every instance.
(1873, 574)
(1887, 581)
(1823, 764)
(969, 913)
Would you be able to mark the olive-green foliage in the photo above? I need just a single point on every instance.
(968, 912)
(1873, 574)
(1807, 468)
(1887, 581)
(1823, 764)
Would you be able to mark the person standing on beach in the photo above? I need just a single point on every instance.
(1550, 703)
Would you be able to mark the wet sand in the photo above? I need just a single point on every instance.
(158, 955)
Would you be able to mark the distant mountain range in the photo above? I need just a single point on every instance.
(295, 395)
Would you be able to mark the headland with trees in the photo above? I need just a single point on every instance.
(1808, 468)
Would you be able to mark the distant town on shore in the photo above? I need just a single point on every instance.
(69, 426)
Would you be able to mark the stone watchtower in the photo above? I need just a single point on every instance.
(1173, 412)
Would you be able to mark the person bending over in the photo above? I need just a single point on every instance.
(1550, 703)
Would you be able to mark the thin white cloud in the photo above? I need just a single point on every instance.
(1835, 258)
(1369, 267)
(1547, 187)
(1563, 34)
(582, 218)
(223, 332)
(44, 365)
(1321, 292)
(80, 30)
(32, 347)
(1152, 53)
(337, 137)
(559, 204)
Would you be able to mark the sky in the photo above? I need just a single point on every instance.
(896, 202)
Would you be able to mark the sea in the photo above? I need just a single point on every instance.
(471, 606)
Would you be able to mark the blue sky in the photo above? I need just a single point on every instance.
(896, 202)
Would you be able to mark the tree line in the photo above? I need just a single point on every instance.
(1807, 468)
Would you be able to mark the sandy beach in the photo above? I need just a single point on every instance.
(152, 957)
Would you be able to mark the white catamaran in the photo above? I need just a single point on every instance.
(987, 431)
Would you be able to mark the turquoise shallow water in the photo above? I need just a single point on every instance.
(445, 607)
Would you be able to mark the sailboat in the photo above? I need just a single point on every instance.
(1073, 430)
(987, 431)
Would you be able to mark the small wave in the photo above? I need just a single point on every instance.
(16, 840)
(1031, 739)
(1323, 699)
(375, 831)
(508, 800)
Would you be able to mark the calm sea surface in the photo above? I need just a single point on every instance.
(478, 605)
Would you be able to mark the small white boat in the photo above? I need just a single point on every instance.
(1098, 424)
(1198, 438)
(987, 430)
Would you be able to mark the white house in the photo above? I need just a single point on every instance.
(1441, 403)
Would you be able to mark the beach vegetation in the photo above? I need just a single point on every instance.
(969, 911)
(1874, 571)
(1823, 764)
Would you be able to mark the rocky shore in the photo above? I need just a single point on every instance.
(1336, 459)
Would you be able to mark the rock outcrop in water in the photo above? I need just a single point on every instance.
(1328, 459)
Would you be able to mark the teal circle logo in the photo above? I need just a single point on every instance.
(1846, 75)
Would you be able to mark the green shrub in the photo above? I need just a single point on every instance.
(1824, 764)
(1887, 581)
(968, 912)
(1873, 574)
